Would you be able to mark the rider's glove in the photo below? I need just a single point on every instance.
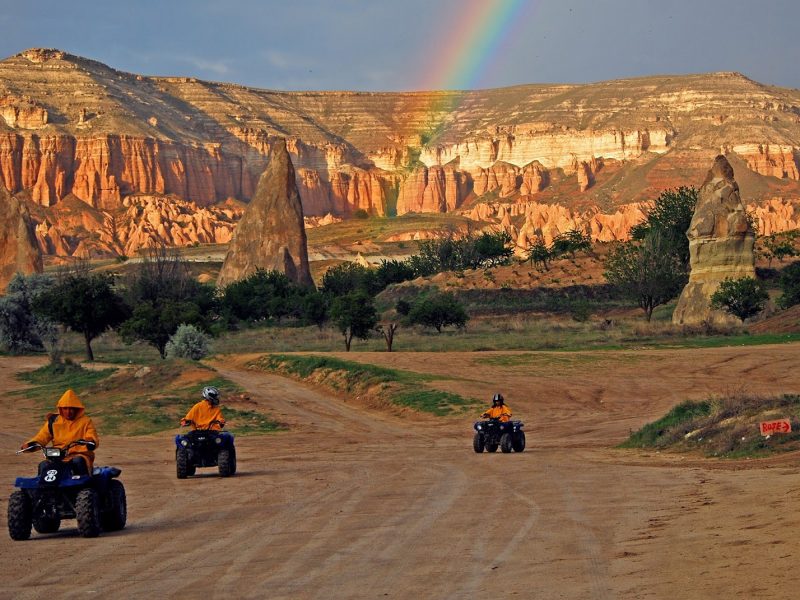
(27, 445)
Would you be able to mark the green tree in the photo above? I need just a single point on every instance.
(262, 295)
(646, 272)
(354, 316)
(393, 271)
(571, 242)
(84, 302)
(669, 218)
(349, 277)
(539, 255)
(165, 295)
(315, 308)
(437, 311)
(491, 249)
(21, 329)
(789, 283)
(743, 297)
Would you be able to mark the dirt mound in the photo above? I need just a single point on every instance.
(786, 321)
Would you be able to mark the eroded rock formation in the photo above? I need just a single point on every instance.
(19, 251)
(71, 127)
(721, 242)
(271, 234)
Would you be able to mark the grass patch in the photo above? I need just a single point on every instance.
(726, 427)
(141, 400)
(51, 381)
(400, 387)
(436, 402)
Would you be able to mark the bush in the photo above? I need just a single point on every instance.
(21, 330)
(262, 295)
(744, 297)
(790, 284)
(188, 342)
(438, 311)
(360, 213)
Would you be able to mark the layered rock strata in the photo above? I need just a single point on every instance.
(271, 234)
(721, 241)
(19, 252)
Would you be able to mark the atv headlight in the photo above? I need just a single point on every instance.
(480, 427)
(184, 443)
(53, 453)
(218, 440)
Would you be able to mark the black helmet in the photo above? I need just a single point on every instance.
(498, 398)
(211, 394)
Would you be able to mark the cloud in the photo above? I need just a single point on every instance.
(288, 62)
(218, 67)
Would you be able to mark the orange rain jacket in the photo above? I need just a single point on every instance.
(201, 415)
(502, 412)
(66, 431)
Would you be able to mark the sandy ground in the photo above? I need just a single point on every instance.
(356, 504)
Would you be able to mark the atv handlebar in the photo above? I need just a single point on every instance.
(37, 446)
(188, 422)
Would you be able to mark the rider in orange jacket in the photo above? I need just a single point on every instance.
(499, 410)
(68, 425)
(206, 414)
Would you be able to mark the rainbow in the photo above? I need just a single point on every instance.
(479, 37)
(475, 41)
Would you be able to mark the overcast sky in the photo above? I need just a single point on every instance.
(396, 45)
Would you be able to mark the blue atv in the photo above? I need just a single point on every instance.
(97, 501)
(205, 448)
(492, 433)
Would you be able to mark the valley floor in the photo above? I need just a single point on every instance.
(353, 503)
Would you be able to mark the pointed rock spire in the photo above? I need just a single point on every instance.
(271, 234)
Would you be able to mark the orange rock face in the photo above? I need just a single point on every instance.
(73, 128)
(19, 251)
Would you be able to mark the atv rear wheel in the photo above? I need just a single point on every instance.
(491, 447)
(226, 461)
(182, 463)
(116, 513)
(46, 524)
(19, 516)
(87, 512)
(519, 442)
(505, 443)
(477, 443)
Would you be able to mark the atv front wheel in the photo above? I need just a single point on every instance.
(116, 513)
(87, 512)
(505, 443)
(19, 516)
(226, 461)
(182, 463)
(46, 524)
(477, 443)
(519, 442)
(491, 447)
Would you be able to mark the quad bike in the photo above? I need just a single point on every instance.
(492, 433)
(97, 500)
(204, 448)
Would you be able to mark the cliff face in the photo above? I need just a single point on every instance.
(75, 128)
(18, 249)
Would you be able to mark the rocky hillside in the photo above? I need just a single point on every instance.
(76, 133)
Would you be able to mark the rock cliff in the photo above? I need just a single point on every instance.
(72, 127)
(721, 242)
(18, 249)
(271, 234)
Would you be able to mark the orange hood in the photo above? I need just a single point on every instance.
(70, 400)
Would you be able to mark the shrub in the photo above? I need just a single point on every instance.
(669, 219)
(21, 330)
(790, 284)
(744, 297)
(188, 342)
(438, 311)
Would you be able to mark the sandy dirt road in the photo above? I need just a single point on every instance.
(357, 504)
